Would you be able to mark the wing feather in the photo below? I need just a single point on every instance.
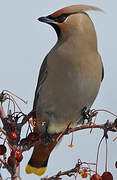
(41, 79)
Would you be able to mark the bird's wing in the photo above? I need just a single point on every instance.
(41, 79)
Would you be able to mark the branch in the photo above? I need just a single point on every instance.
(82, 168)
(108, 126)
(2, 114)
(6, 166)
(11, 125)
(111, 127)
(16, 176)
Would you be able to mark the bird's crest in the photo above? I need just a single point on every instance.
(75, 9)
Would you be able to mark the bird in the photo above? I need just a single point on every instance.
(69, 79)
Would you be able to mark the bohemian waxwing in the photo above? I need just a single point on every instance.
(69, 79)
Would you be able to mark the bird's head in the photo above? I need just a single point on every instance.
(71, 20)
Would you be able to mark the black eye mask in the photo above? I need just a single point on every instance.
(59, 19)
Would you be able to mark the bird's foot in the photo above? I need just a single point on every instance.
(87, 115)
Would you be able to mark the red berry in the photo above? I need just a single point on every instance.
(13, 135)
(116, 164)
(107, 176)
(96, 177)
(2, 149)
(17, 154)
(33, 136)
(12, 161)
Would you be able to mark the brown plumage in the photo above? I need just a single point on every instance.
(69, 78)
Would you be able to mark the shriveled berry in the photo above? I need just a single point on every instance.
(107, 176)
(84, 174)
(115, 122)
(12, 161)
(33, 136)
(2, 149)
(13, 136)
(96, 177)
(17, 154)
(116, 164)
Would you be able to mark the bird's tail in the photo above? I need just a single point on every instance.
(39, 159)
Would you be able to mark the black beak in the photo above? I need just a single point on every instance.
(46, 20)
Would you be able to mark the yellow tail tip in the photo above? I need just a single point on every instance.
(38, 171)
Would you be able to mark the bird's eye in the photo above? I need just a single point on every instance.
(61, 18)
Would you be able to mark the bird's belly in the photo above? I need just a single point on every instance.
(63, 102)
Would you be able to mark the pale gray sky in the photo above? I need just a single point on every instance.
(24, 42)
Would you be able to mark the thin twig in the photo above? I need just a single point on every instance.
(2, 114)
(98, 153)
(3, 131)
(72, 172)
(6, 166)
(26, 118)
(106, 163)
(16, 176)
(69, 173)
(95, 126)
(82, 127)
(1, 177)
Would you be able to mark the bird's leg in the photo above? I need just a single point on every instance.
(87, 114)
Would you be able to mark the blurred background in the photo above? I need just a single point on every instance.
(24, 42)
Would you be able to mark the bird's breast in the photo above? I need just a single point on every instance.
(71, 84)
